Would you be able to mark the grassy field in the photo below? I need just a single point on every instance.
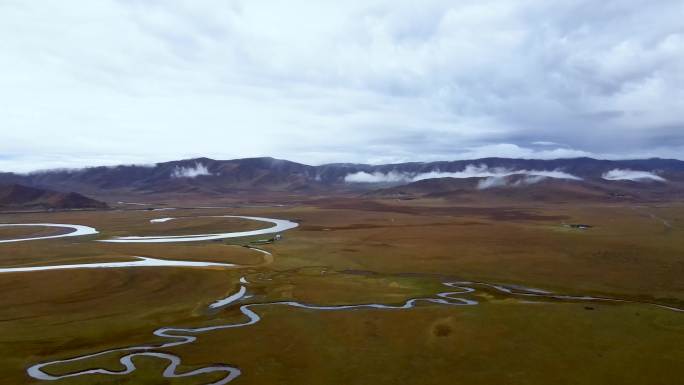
(352, 252)
(29, 231)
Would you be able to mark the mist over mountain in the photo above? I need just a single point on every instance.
(207, 176)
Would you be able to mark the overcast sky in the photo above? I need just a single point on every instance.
(107, 82)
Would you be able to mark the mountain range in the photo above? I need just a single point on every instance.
(500, 178)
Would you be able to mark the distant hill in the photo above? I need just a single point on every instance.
(525, 188)
(201, 175)
(579, 177)
(15, 196)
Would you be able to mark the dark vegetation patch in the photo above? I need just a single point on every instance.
(441, 330)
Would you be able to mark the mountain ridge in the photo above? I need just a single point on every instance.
(16, 196)
(266, 174)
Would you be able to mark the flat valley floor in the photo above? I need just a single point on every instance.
(361, 292)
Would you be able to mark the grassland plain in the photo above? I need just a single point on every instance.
(361, 251)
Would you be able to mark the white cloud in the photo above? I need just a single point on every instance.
(190, 172)
(482, 171)
(386, 79)
(470, 171)
(637, 176)
(545, 143)
(504, 181)
(492, 181)
(509, 150)
(531, 179)
(376, 177)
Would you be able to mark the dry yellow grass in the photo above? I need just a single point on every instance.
(360, 252)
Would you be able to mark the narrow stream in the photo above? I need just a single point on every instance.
(140, 262)
(181, 336)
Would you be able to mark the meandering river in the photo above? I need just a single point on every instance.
(280, 226)
(78, 230)
(459, 294)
